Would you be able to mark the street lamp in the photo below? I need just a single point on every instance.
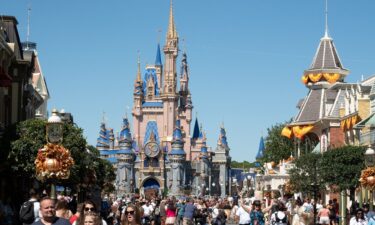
(370, 162)
(53, 161)
(369, 157)
(213, 187)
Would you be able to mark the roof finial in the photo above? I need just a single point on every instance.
(28, 26)
(139, 68)
(171, 27)
(159, 35)
(103, 118)
(326, 25)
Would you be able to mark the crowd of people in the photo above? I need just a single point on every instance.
(184, 210)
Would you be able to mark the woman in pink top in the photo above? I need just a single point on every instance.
(323, 215)
(170, 212)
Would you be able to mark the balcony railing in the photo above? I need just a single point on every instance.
(367, 138)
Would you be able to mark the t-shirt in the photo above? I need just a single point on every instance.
(189, 211)
(244, 216)
(147, 210)
(57, 221)
(181, 209)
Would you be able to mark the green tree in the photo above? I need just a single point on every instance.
(245, 164)
(341, 167)
(31, 136)
(277, 147)
(306, 175)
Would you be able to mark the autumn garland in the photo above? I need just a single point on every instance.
(368, 177)
(53, 161)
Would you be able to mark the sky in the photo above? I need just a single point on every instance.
(246, 57)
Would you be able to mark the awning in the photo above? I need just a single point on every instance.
(349, 122)
(367, 122)
(297, 131)
(5, 79)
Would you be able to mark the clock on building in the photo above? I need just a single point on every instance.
(152, 149)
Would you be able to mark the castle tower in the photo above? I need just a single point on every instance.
(222, 160)
(186, 105)
(205, 166)
(126, 159)
(102, 142)
(169, 95)
(177, 161)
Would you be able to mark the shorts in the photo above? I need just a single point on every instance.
(324, 220)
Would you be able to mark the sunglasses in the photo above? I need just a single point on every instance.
(129, 212)
(89, 209)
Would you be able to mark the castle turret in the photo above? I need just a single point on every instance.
(126, 159)
(223, 161)
(103, 139)
(138, 91)
(159, 68)
(177, 157)
(205, 166)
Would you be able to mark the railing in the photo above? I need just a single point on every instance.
(367, 138)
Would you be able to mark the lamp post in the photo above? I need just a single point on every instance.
(53, 161)
(235, 184)
(54, 133)
(370, 162)
(213, 187)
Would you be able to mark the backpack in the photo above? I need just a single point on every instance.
(27, 212)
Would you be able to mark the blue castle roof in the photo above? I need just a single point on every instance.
(223, 137)
(103, 139)
(151, 74)
(260, 149)
(177, 142)
(152, 129)
(158, 57)
(196, 131)
(126, 141)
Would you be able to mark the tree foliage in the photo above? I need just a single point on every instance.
(342, 166)
(245, 164)
(277, 147)
(306, 176)
(31, 136)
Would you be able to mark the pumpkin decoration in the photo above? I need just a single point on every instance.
(368, 177)
(53, 161)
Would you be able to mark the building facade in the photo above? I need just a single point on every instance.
(164, 154)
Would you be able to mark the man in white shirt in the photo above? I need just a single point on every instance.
(242, 215)
(147, 209)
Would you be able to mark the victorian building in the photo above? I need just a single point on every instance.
(164, 154)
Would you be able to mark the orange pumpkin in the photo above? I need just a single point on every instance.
(51, 164)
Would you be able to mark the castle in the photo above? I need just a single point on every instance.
(162, 156)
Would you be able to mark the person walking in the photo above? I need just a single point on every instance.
(358, 218)
(132, 215)
(88, 206)
(90, 218)
(29, 211)
(48, 213)
(242, 216)
(323, 215)
(170, 212)
(189, 212)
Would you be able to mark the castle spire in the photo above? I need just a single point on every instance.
(326, 25)
(139, 78)
(158, 56)
(172, 33)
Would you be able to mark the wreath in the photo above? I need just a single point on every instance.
(368, 177)
(53, 161)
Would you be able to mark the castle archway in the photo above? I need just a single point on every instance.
(151, 187)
